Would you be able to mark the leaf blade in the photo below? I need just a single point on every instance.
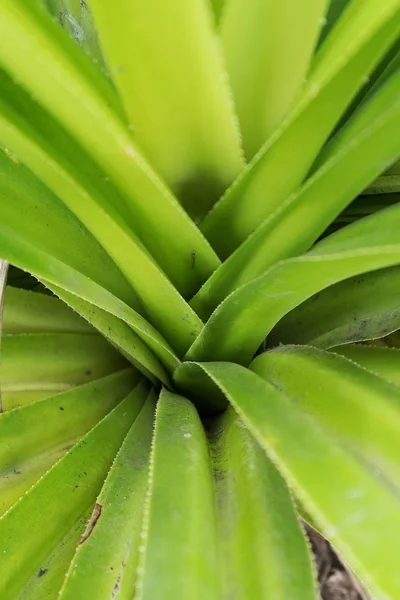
(268, 49)
(50, 522)
(320, 472)
(108, 564)
(173, 86)
(356, 156)
(346, 57)
(180, 449)
(276, 563)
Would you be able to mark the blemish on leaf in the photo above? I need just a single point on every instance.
(92, 522)
(16, 472)
(116, 587)
(42, 572)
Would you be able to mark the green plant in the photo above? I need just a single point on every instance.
(168, 170)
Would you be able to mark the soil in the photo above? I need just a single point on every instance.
(336, 581)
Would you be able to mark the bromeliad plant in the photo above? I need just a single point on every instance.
(178, 174)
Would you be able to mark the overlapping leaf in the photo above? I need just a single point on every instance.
(174, 89)
(87, 196)
(338, 489)
(153, 213)
(59, 500)
(240, 324)
(268, 48)
(105, 566)
(349, 54)
(360, 308)
(38, 365)
(262, 550)
(358, 154)
(27, 451)
(382, 361)
(178, 537)
(28, 312)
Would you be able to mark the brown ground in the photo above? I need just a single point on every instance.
(335, 579)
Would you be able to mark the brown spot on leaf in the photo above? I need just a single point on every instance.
(92, 523)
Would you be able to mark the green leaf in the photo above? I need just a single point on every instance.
(59, 500)
(388, 183)
(141, 342)
(355, 157)
(120, 335)
(40, 218)
(25, 220)
(75, 17)
(357, 406)
(178, 537)
(27, 451)
(339, 491)
(361, 308)
(3, 283)
(48, 579)
(263, 553)
(84, 196)
(106, 566)
(240, 324)
(218, 7)
(268, 48)
(349, 54)
(171, 78)
(29, 312)
(335, 10)
(43, 362)
(57, 84)
(384, 362)
(386, 68)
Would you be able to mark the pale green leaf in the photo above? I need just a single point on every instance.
(27, 451)
(141, 342)
(358, 154)
(105, 565)
(86, 197)
(384, 362)
(263, 553)
(43, 220)
(29, 312)
(119, 334)
(170, 74)
(349, 54)
(59, 500)
(178, 548)
(48, 579)
(70, 97)
(268, 48)
(43, 362)
(358, 407)
(28, 213)
(240, 324)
